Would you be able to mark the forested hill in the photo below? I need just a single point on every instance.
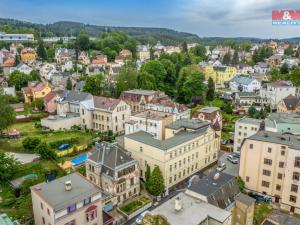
(64, 28)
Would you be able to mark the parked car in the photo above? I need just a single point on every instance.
(221, 167)
(232, 159)
(236, 155)
(63, 147)
(141, 217)
(259, 197)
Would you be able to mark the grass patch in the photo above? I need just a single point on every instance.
(217, 102)
(28, 129)
(134, 205)
(21, 208)
(261, 211)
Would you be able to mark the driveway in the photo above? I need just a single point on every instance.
(232, 169)
(24, 158)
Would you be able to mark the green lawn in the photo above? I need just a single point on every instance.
(261, 211)
(28, 129)
(134, 205)
(21, 208)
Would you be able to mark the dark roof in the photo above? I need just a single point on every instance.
(59, 198)
(187, 123)
(220, 68)
(219, 188)
(246, 199)
(106, 103)
(273, 137)
(281, 218)
(75, 96)
(110, 157)
(291, 102)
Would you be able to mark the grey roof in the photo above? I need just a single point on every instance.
(55, 194)
(208, 109)
(75, 96)
(246, 199)
(247, 94)
(140, 92)
(179, 138)
(219, 188)
(110, 157)
(291, 118)
(274, 137)
(220, 68)
(188, 123)
(281, 218)
(242, 79)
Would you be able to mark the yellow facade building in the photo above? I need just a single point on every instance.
(188, 147)
(220, 74)
(28, 55)
(39, 90)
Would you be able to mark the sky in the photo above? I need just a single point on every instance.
(207, 18)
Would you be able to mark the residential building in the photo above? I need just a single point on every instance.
(184, 209)
(220, 74)
(243, 68)
(8, 63)
(286, 122)
(276, 91)
(22, 67)
(261, 68)
(280, 218)
(50, 102)
(137, 99)
(291, 62)
(246, 127)
(37, 90)
(210, 114)
(28, 55)
(165, 104)
(246, 98)
(5, 220)
(59, 79)
(114, 170)
(270, 164)
(104, 114)
(143, 53)
(125, 54)
(289, 104)
(16, 37)
(274, 60)
(84, 58)
(222, 190)
(47, 71)
(242, 83)
(189, 146)
(71, 200)
(150, 121)
(63, 55)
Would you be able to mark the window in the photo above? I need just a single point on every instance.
(294, 188)
(48, 211)
(269, 150)
(279, 176)
(278, 187)
(141, 149)
(170, 168)
(247, 179)
(43, 220)
(296, 176)
(282, 152)
(174, 177)
(251, 146)
(265, 184)
(267, 172)
(297, 162)
(91, 213)
(171, 155)
(87, 201)
(71, 208)
(170, 180)
(281, 164)
(268, 161)
(42, 206)
(132, 181)
(293, 198)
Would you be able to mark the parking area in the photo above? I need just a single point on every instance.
(24, 158)
(232, 169)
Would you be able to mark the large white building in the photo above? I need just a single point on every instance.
(16, 37)
(244, 83)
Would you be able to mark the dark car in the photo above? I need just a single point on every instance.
(259, 197)
(236, 154)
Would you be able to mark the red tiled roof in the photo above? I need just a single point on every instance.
(291, 102)
(98, 61)
(50, 96)
(9, 62)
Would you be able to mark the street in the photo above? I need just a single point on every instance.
(232, 169)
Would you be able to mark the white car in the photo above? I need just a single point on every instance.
(141, 217)
(221, 167)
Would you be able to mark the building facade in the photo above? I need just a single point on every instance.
(220, 74)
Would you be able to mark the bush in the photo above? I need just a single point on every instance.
(45, 152)
(30, 143)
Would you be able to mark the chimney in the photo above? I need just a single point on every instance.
(178, 204)
(68, 185)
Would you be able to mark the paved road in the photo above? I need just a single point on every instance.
(232, 169)
(24, 158)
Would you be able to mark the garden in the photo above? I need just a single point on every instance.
(135, 205)
(261, 211)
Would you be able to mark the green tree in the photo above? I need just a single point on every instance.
(7, 113)
(289, 51)
(227, 107)
(126, 79)
(17, 79)
(235, 58)
(30, 143)
(252, 112)
(146, 81)
(199, 50)
(82, 41)
(41, 51)
(295, 76)
(170, 78)
(69, 84)
(8, 167)
(184, 47)
(275, 74)
(155, 68)
(96, 85)
(226, 59)
(241, 184)
(156, 185)
(45, 152)
(284, 69)
(38, 103)
(148, 173)
(34, 76)
(210, 95)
